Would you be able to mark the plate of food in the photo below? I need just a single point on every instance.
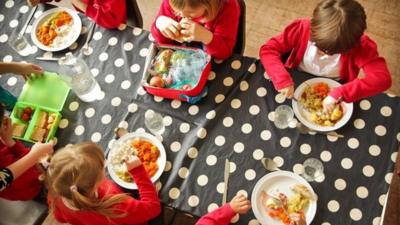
(149, 150)
(309, 110)
(279, 194)
(56, 29)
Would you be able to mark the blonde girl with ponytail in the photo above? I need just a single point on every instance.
(80, 193)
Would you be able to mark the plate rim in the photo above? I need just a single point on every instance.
(35, 25)
(162, 159)
(296, 108)
(275, 174)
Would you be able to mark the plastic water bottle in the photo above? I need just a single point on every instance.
(77, 75)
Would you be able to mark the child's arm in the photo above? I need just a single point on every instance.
(164, 11)
(108, 14)
(23, 69)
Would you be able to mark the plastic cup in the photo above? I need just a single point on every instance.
(283, 115)
(154, 122)
(313, 168)
(20, 45)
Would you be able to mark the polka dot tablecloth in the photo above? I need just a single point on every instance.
(234, 121)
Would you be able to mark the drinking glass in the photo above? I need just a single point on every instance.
(283, 115)
(20, 44)
(154, 122)
(313, 168)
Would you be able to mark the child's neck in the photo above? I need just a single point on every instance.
(68, 203)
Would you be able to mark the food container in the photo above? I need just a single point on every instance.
(36, 115)
(192, 94)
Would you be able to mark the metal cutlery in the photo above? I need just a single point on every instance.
(47, 58)
(269, 164)
(226, 180)
(32, 12)
(85, 47)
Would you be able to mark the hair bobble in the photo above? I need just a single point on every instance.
(73, 188)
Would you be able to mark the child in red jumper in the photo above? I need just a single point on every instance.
(331, 44)
(213, 23)
(79, 192)
(19, 174)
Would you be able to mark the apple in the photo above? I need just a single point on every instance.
(157, 81)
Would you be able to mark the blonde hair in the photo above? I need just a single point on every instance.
(212, 6)
(337, 25)
(74, 174)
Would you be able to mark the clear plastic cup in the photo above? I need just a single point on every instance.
(283, 115)
(313, 168)
(154, 122)
(20, 44)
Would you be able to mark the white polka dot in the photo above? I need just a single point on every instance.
(202, 180)
(193, 110)
(271, 115)
(305, 149)
(278, 160)
(368, 171)
(96, 137)
(201, 133)
(89, 113)
(355, 214)
(298, 168)
(365, 105)
(376, 221)
(136, 31)
(386, 111)
(103, 56)
(144, 52)
(359, 123)
(362, 192)
(236, 103)
(12, 81)
(13, 23)
(142, 130)
(95, 72)
(119, 62)
(184, 128)
(211, 114)
(158, 98)
(38, 13)
(258, 154)
(285, 142)
(261, 92)
(3, 38)
(219, 98)
(123, 124)
(220, 140)
(220, 187)
(398, 136)
(8, 58)
(125, 84)
(347, 163)
(333, 206)
(388, 178)
(73, 106)
(254, 222)
(252, 68)
(97, 35)
(176, 104)
(236, 64)
(374, 150)
(393, 156)
(280, 98)
(380, 130)
(135, 68)
(254, 110)
(238, 147)
(228, 81)
(211, 207)
(247, 128)
(193, 201)
(9, 3)
(24, 9)
(109, 78)
(212, 75)
(340, 184)
(183, 172)
(175, 146)
(112, 41)
(158, 186)
(106, 119)
(63, 123)
(128, 46)
(242, 192)
(382, 199)
(79, 130)
(320, 178)
(141, 91)
(89, 51)
(353, 143)
(167, 121)
(331, 138)
(174, 193)
(1, 17)
(168, 166)
(232, 167)
(132, 107)
(265, 135)
(116, 101)
(244, 86)
(211, 160)
(326, 156)
(227, 122)
(250, 174)
(193, 152)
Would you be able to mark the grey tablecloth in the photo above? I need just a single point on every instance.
(234, 121)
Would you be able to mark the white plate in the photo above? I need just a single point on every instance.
(73, 34)
(303, 114)
(162, 159)
(279, 181)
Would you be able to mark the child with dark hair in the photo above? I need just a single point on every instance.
(332, 44)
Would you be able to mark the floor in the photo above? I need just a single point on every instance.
(269, 17)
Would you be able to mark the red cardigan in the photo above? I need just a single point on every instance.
(138, 211)
(364, 56)
(220, 216)
(224, 28)
(25, 187)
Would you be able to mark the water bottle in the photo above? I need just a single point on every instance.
(77, 75)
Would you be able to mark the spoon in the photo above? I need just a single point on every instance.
(269, 164)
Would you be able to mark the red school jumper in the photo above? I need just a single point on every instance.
(220, 216)
(364, 56)
(224, 28)
(138, 212)
(25, 187)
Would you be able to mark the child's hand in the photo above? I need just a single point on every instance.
(329, 103)
(6, 132)
(298, 219)
(168, 27)
(192, 31)
(287, 91)
(132, 162)
(240, 204)
(26, 69)
(40, 150)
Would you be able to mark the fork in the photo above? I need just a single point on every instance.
(85, 48)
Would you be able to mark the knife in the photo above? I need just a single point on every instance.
(47, 58)
(22, 32)
(226, 180)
